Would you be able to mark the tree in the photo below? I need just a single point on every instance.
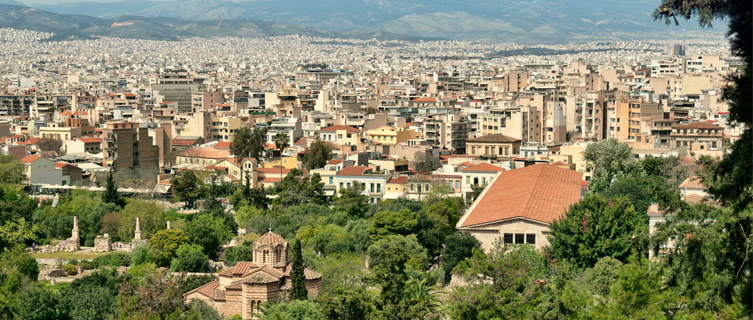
(610, 161)
(37, 303)
(298, 280)
(151, 217)
(389, 274)
(598, 227)
(190, 258)
(49, 144)
(422, 299)
(731, 180)
(403, 222)
(248, 143)
(164, 245)
(293, 310)
(417, 259)
(111, 194)
(187, 188)
(238, 253)
(153, 297)
(209, 232)
(352, 202)
(11, 169)
(317, 155)
(458, 246)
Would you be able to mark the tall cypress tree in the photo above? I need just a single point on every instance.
(111, 194)
(298, 290)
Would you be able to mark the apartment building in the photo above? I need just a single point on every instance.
(126, 145)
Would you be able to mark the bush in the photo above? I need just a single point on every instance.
(70, 269)
(190, 258)
(86, 265)
(114, 259)
(239, 253)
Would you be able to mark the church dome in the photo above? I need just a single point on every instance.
(271, 239)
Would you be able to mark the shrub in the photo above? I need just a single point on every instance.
(70, 269)
(114, 259)
(86, 265)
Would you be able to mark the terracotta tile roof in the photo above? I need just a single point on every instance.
(693, 182)
(30, 141)
(334, 161)
(352, 171)
(483, 167)
(339, 127)
(90, 140)
(541, 192)
(398, 180)
(224, 145)
(494, 138)
(424, 100)
(260, 277)
(184, 141)
(206, 290)
(241, 268)
(204, 152)
(269, 179)
(695, 199)
(697, 125)
(30, 159)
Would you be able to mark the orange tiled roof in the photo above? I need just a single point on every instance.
(90, 140)
(697, 125)
(30, 159)
(398, 180)
(541, 192)
(222, 145)
(693, 182)
(424, 100)
(352, 171)
(204, 152)
(483, 167)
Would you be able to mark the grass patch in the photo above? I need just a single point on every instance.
(79, 255)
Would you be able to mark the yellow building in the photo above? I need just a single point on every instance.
(223, 128)
(339, 134)
(287, 163)
(391, 136)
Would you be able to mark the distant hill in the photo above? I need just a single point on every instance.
(68, 26)
(537, 20)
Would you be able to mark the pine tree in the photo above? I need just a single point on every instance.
(111, 194)
(298, 290)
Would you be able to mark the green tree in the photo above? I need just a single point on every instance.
(187, 188)
(730, 181)
(351, 202)
(209, 232)
(598, 227)
(403, 222)
(293, 310)
(37, 303)
(238, 253)
(164, 245)
(151, 218)
(248, 143)
(153, 297)
(190, 258)
(610, 161)
(458, 246)
(111, 194)
(16, 268)
(422, 299)
(15, 233)
(11, 169)
(298, 280)
(317, 155)
(389, 274)
(417, 259)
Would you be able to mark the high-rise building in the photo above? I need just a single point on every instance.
(127, 146)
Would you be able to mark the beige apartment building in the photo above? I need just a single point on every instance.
(127, 146)
(493, 146)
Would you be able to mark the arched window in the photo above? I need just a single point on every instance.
(266, 256)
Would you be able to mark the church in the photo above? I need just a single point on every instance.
(243, 288)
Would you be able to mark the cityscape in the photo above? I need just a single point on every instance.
(207, 159)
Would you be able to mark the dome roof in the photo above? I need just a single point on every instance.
(271, 239)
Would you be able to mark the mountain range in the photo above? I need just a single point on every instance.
(543, 21)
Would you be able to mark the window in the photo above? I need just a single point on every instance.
(332, 180)
(519, 238)
(508, 238)
(457, 184)
(531, 238)
(379, 187)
